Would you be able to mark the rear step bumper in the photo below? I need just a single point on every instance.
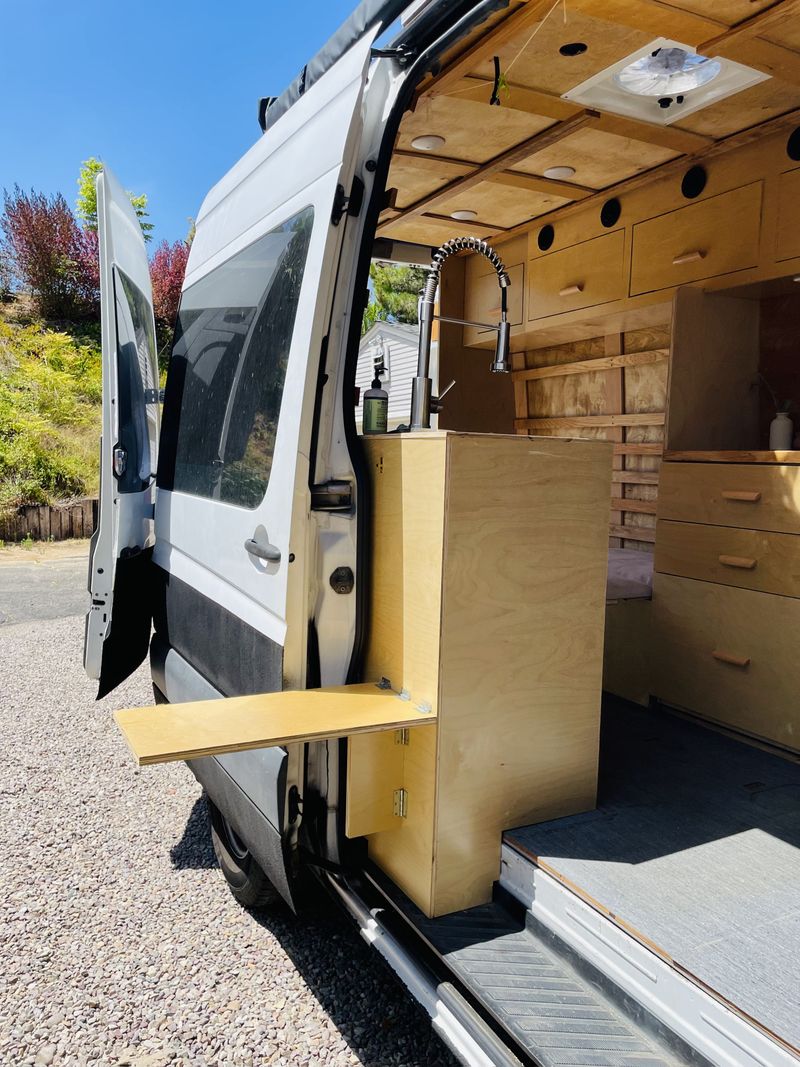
(456, 1023)
(541, 1006)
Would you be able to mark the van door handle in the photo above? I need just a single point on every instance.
(268, 552)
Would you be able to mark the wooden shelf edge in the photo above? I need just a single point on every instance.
(675, 456)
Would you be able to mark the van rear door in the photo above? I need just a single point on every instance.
(233, 493)
(121, 549)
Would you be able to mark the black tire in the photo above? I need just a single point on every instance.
(245, 878)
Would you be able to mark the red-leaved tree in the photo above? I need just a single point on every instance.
(44, 249)
(167, 268)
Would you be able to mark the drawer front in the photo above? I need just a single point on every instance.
(749, 559)
(482, 301)
(712, 237)
(738, 494)
(787, 241)
(577, 277)
(729, 655)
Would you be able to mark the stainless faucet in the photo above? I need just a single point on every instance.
(422, 403)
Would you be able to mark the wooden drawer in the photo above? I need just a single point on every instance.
(750, 559)
(751, 496)
(787, 239)
(729, 655)
(577, 277)
(714, 236)
(482, 299)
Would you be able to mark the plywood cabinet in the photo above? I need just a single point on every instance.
(482, 293)
(748, 495)
(714, 236)
(787, 236)
(488, 596)
(580, 276)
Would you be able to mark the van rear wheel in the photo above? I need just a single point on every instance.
(245, 878)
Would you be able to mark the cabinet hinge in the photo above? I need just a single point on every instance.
(347, 204)
(401, 736)
(400, 803)
(332, 496)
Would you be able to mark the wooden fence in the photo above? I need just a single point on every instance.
(45, 522)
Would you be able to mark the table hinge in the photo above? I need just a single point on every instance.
(400, 803)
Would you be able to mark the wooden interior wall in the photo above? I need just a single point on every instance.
(779, 332)
(612, 387)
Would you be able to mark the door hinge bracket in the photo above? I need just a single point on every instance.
(400, 803)
(351, 204)
(401, 736)
(332, 496)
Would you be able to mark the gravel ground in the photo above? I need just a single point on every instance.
(119, 942)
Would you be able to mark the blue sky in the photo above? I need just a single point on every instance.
(164, 92)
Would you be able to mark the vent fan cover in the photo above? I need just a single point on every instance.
(663, 82)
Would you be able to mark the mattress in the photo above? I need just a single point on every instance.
(630, 575)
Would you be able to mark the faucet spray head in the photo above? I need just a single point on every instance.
(502, 364)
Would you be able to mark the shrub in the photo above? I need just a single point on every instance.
(50, 394)
(167, 268)
(44, 249)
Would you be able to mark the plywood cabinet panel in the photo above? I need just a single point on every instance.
(482, 302)
(749, 559)
(787, 238)
(489, 568)
(579, 276)
(714, 236)
(750, 496)
(730, 655)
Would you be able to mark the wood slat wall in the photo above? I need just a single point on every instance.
(612, 387)
(43, 522)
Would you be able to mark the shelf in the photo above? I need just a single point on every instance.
(732, 457)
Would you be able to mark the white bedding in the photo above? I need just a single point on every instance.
(630, 574)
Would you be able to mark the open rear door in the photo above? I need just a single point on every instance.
(120, 558)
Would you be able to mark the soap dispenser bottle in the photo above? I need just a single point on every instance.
(376, 408)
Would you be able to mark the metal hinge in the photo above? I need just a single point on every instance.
(332, 496)
(400, 803)
(350, 204)
(401, 736)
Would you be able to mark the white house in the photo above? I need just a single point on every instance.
(392, 348)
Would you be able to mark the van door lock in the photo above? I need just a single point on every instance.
(342, 580)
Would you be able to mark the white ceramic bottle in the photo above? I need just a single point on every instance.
(781, 432)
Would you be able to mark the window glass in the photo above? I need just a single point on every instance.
(228, 366)
(137, 370)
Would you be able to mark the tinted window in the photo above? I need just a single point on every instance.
(138, 384)
(228, 366)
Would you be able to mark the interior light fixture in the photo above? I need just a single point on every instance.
(428, 142)
(464, 215)
(560, 172)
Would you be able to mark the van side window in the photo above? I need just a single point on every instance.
(138, 392)
(228, 365)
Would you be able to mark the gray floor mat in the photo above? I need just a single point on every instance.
(696, 844)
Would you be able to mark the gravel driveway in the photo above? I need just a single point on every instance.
(120, 942)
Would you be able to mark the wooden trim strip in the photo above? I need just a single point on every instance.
(575, 422)
(732, 457)
(588, 366)
(633, 533)
(645, 449)
(515, 179)
(552, 135)
(635, 477)
(641, 507)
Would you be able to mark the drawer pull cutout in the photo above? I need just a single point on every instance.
(571, 290)
(741, 495)
(728, 657)
(688, 257)
(742, 562)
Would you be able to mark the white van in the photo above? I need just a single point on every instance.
(384, 657)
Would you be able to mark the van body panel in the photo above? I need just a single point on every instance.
(119, 566)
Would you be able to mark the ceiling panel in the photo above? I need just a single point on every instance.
(471, 130)
(416, 178)
(742, 110)
(599, 159)
(501, 205)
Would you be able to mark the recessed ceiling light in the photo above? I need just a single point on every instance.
(429, 142)
(464, 216)
(560, 172)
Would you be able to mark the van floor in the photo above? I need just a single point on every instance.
(695, 843)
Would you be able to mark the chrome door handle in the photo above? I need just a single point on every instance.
(267, 552)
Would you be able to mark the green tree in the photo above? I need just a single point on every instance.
(86, 204)
(397, 291)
